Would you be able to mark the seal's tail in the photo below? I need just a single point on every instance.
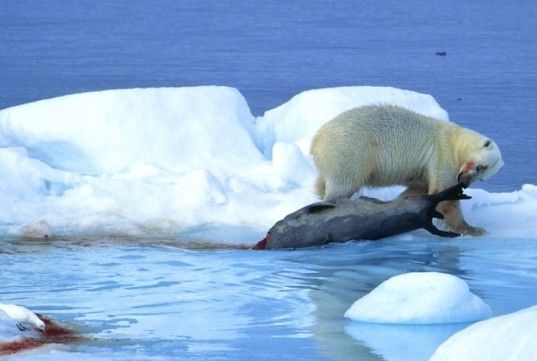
(453, 193)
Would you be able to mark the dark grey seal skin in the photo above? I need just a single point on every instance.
(364, 218)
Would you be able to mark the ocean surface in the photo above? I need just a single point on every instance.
(160, 302)
(156, 301)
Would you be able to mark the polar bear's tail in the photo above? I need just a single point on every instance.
(320, 187)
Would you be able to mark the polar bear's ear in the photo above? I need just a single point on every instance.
(487, 144)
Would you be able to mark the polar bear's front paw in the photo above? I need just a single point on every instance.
(473, 231)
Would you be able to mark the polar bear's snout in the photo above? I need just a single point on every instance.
(468, 176)
(484, 169)
(493, 169)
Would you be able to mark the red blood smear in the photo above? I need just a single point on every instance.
(55, 333)
(9, 348)
(263, 243)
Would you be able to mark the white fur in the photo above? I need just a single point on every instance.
(388, 145)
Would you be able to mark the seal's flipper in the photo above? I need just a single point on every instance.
(452, 193)
(433, 213)
(436, 214)
(464, 196)
(438, 232)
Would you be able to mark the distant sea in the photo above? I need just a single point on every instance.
(478, 58)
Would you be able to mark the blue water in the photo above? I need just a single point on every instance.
(160, 302)
(156, 301)
(273, 50)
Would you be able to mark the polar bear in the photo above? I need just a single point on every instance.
(385, 145)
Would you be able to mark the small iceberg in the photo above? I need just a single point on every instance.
(420, 298)
(510, 337)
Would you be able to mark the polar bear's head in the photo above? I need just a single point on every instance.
(481, 158)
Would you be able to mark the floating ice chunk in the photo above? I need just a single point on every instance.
(25, 318)
(510, 337)
(420, 298)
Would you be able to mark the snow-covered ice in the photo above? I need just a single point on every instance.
(510, 337)
(112, 131)
(138, 162)
(420, 298)
(169, 162)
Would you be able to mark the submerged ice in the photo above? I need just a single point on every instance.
(170, 161)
